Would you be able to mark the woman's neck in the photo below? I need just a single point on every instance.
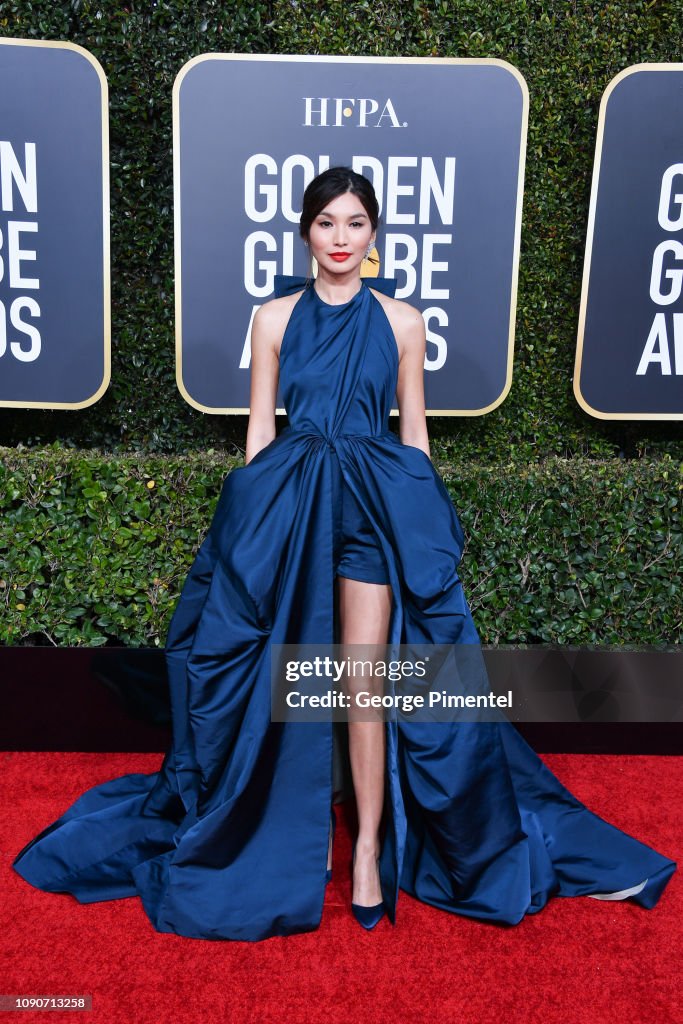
(336, 289)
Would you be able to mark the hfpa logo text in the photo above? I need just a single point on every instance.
(339, 112)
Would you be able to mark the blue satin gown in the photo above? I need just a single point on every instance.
(228, 840)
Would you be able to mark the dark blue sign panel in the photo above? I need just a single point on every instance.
(442, 140)
(54, 226)
(629, 355)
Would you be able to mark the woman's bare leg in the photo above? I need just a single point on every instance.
(364, 615)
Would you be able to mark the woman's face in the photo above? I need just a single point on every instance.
(341, 227)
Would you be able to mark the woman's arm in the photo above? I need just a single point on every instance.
(265, 367)
(412, 343)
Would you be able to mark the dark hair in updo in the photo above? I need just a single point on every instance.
(329, 184)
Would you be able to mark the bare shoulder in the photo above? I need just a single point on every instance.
(271, 319)
(406, 322)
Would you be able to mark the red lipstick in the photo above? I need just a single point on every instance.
(340, 256)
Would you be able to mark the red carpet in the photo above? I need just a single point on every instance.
(577, 960)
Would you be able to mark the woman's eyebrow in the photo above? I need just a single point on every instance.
(353, 216)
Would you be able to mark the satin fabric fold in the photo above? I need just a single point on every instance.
(229, 839)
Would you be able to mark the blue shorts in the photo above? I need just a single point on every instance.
(357, 551)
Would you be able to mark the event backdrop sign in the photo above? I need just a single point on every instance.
(629, 353)
(54, 226)
(443, 141)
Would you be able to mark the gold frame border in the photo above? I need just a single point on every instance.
(327, 58)
(106, 245)
(595, 183)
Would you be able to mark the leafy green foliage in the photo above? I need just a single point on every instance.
(574, 552)
(94, 549)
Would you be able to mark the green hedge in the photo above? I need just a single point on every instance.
(567, 52)
(94, 549)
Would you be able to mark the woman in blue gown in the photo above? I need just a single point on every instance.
(334, 531)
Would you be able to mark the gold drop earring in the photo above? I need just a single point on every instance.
(370, 267)
(313, 273)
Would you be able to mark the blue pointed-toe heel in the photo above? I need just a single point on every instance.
(333, 826)
(368, 917)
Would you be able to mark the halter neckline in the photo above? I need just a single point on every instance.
(337, 305)
(288, 284)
